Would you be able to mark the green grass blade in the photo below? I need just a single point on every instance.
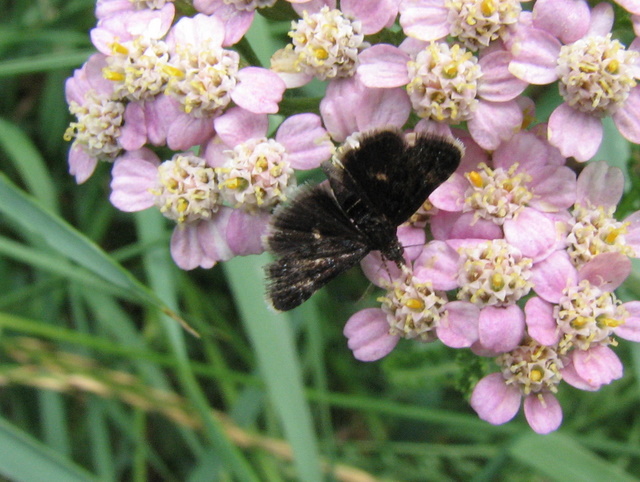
(561, 458)
(272, 339)
(29, 163)
(33, 218)
(43, 63)
(161, 271)
(24, 458)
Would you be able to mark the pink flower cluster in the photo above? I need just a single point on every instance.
(521, 255)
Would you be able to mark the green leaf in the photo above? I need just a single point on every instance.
(272, 340)
(29, 163)
(561, 458)
(43, 63)
(25, 458)
(32, 218)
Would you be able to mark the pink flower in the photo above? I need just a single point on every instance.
(326, 42)
(237, 17)
(306, 142)
(99, 117)
(577, 310)
(497, 402)
(411, 309)
(475, 24)
(490, 274)
(631, 6)
(450, 85)
(592, 227)
(607, 88)
(256, 172)
(515, 198)
(107, 8)
(373, 333)
(374, 15)
(198, 60)
(184, 190)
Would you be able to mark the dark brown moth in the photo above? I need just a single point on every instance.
(372, 189)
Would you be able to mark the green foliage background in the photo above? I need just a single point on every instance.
(98, 380)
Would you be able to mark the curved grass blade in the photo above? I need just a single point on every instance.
(561, 458)
(29, 163)
(25, 458)
(272, 340)
(31, 217)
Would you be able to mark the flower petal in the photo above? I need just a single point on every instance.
(543, 412)
(606, 271)
(133, 177)
(424, 20)
(501, 329)
(259, 90)
(368, 335)
(541, 324)
(238, 125)
(459, 327)
(575, 17)
(630, 329)
(374, 14)
(81, 164)
(186, 250)
(212, 236)
(554, 188)
(535, 56)
(307, 142)
(597, 366)
(497, 84)
(600, 185)
(532, 232)
(383, 66)
(552, 275)
(494, 122)
(494, 400)
(244, 232)
(438, 263)
(575, 133)
(627, 118)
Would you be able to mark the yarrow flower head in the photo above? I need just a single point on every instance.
(413, 309)
(449, 84)
(138, 68)
(203, 75)
(113, 6)
(327, 43)
(478, 23)
(497, 194)
(592, 227)
(324, 45)
(257, 174)
(187, 190)
(517, 196)
(597, 76)
(493, 273)
(99, 118)
(474, 23)
(531, 371)
(443, 83)
(587, 315)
